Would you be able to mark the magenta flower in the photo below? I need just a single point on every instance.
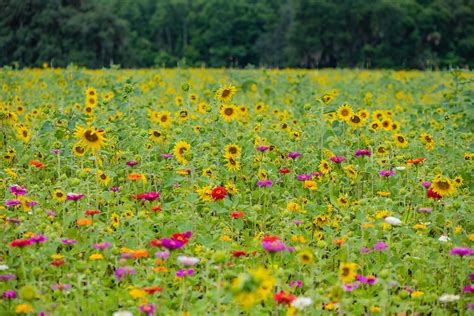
(32, 203)
(56, 151)
(298, 221)
(61, 286)
(148, 309)
(9, 294)
(74, 196)
(12, 202)
(294, 155)
(5, 277)
(166, 155)
(114, 189)
(365, 250)
(171, 244)
(386, 173)
(425, 209)
(184, 272)
(380, 246)
(426, 184)
(262, 148)
(131, 163)
(468, 288)
(349, 287)
(303, 177)
(337, 159)
(471, 277)
(101, 246)
(18, 190)
(38, 239)
(275, 246)
(366, 280)
(461, 251)
(363, 152)
(162, 254)
(296, 283)
(69, 241)
(264, 183)
(150, 196)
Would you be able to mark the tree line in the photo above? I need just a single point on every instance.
(238, 33)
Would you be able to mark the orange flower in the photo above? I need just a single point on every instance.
(160, 269)
(36, 164)
(156, 208)
(339, 241)
(416, 161)
(136, 176)
(84, 222)
(140, 253)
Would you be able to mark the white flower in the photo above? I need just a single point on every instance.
(400, 168)
(3, 267)
(393, 220)
(444, 238)
(188, 261)
(301, 302)
(122, 313)
(448, 298)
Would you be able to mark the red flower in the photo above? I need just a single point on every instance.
(284, 170)
(238, 253)
(237, 214)
(20, 243)
(155, 243)
(182, 237)
(152, 289)
(92, 212)
(284, 298)
(218, 193)
(432, 194)
(156, 208)
(57, 263)
(271, 238)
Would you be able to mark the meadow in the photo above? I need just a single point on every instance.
(236, 192)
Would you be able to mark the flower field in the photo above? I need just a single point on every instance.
(236, 192)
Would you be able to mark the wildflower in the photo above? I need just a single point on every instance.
(380, 246)
(21, 243)
(461, 252)
(18, 190)
(301, 303)
(69, 241)
(306, 257)
(61, 286)
(147, 309)
(218, 193)
(349, 287)
(74, 196)
(183, 273)
(132, 163)
(447, 298)
(4, 277)
(284, 170)
(468, 288)
(293, 155)
(264, 183)
(188, 261)
(96, 256)
(122, 272)
(275, 246)
(283, 298)
(12, 202)
(444, 238)
(311, 185)
(393, 220)
(337, 159)
(386, 173)
(363, 152)
(9, 294)
(162, 254)
(122, 313)
(166, 155)
(38, 239)
(23, 308)
(237, 214)
(101, 246)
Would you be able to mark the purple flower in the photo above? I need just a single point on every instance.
(470, 306)
(132, 163)
(50, 213)
(31, 203)
(337, 159)
(126, 255)
(12, 202)
(316, 174)
(296, 283)
(74, 196)
(349, 287)
(275, 246)
(471, 276)
(262, 148)
(18, 190)
(380, 246)
(363, 152)
(425, 209)
(9, 294)
(101, 246)
(365, 250)
(123, 272)
(468, 288)
(56, 151)
(386, 173)
(13, 220)
(298, 221)
(162, 254)
(303, 177)
(114, 189)
(148, 309)
(294, 155)
(38, 239)
(426, 184)
(183, 272)
(264, 183)
(461, 251)
(171, 244)
(69, 241)
(166, 155)
(61, 286)
(366, 280)
(4, 277)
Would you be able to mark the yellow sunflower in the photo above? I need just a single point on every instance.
(306, 256)
(225, 93)
(232, 151)
(24, 134)
(181, 151)
(228, 112)
(90, 138)
(324, 166)
(59, 195)
(347, 272)
(233, 164)
(443, 186)
(400, 140)
(345, 112)
(350, 171)
(103, 178)
(156, 136)
(78, 150)
(355, 121)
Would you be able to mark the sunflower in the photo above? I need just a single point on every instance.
(78, 150)
(374, 126)
(203, 107)
(426, 138)
(395, 126)
(178, 100)
(381, 150)
(232, 151)
(363, 113)
(225, 93)
(259, 107)
(347, 272)
(295, 134)
(443, 186)
(330, 117)
(205, 193)
(377, 115)
(458, 181)
(88, 110)
(231, 188)
(115, 220)
(228, 112)
(233, 164)
(164, 118)
(306, 257)
(91, 102)
(355, 121)
(103, 178)
(24, 134)
(344, 112)
(327, 98)
(181, 150)
(90, 138)
(243, 111)
(193, 97)
(156, 136)
(59, 195)
(343, 201)
(400, 140)
(350, 171)
(324, 167)
(91, 93)
(387, 124)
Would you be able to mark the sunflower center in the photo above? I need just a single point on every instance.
(79, 150)
(182, 150)
(91, 136)
(103, 176)
(345, 271)
(305, 257)
(25, 134)
(233, 150)
(443, 185)
(156, 134)
(229, 111)
(225, 93)
(164, 118)
(345, 112)
(355, 119)
(401, 139)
